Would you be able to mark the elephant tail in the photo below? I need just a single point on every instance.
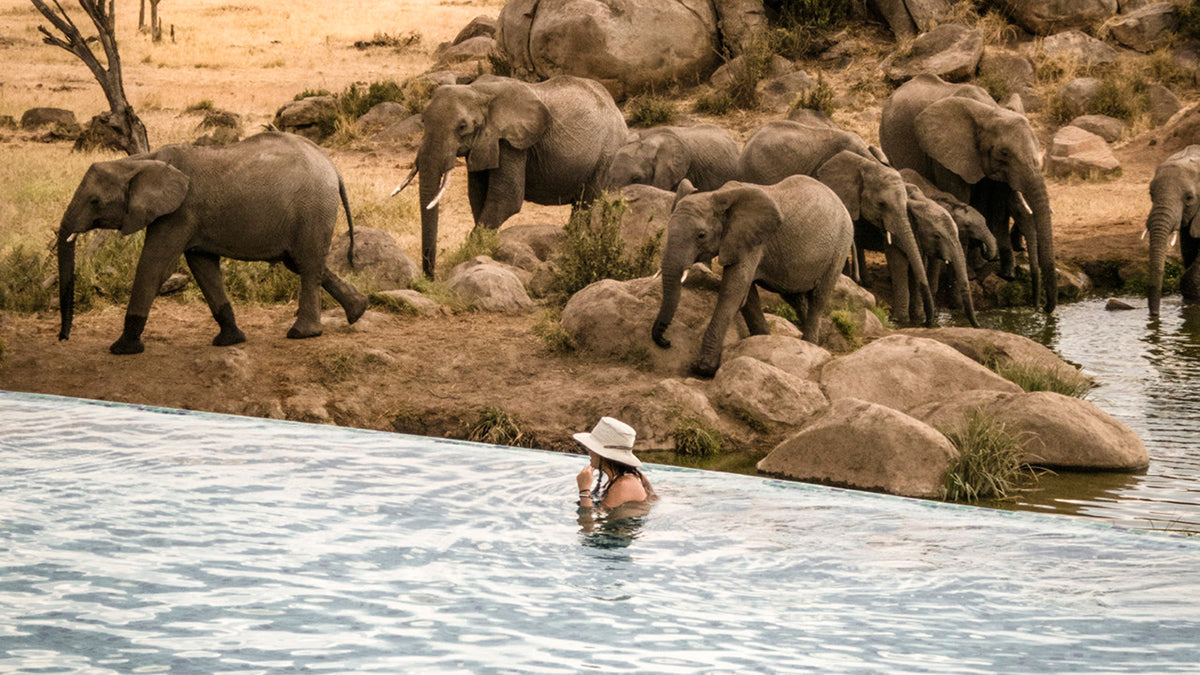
(349, 220)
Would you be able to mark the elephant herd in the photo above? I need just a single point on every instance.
(956, 181)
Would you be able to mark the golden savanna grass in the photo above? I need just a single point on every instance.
(249, 57)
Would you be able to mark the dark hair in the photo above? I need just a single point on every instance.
(618, 469)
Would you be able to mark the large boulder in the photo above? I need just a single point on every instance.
(1078, 94)
(1076, 152)
(907, 18)
(1077, 46)
(789, 354)
(950, 51)
(1000, 349)
(308, 117)
(1145, 28)
(740, 22)
(672, 403)
(903, 372)
(377, 258)
(1044, 17)
(625, 44)
(489, 286)
(35, 118)
(862, 445)
(752, 389)
(647, 210)
(1108, 128)
(1055, 431)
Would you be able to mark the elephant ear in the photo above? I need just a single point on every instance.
(843, 174)
(155, 189)
(750, 217)
(670, 162)
(878, 153)
(947, 131)
(516, 115)
(685, 188)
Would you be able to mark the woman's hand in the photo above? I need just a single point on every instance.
(584, 479)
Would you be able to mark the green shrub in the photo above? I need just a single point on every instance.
(594, 249)
(693, 438)
(1033, 377)
(550, 331)
(843, 321)
(358, 99)
(988, 465)
(819, 98)
(498, 427)
(107, 272)
(714, 102)
(997, 86)
(1189, 19)
(754, 65)
(783, 310)
(23, 271)
(804, 27)
(650, 111)
(480, 241)
(1124, 98)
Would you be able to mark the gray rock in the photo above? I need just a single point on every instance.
(724, 76)
(1080, 153)
(489, 286)
(950, 51)
(1044, 17)
(36, 118)
(757, 390)
(407, 301)
(740, 22)
(1145, 28)
(791, 355)
(377, 258)
(1108, 128)
(405, 133)
(304, 117)
(867, 446)
(1008, 65)
(382, 116)
(903, 372)
(1078, 94)
(544, 240)
(907, 18)
(480, 48)
(1055, 431)
(671, 403)
(647, 211)
(780, 92)
(1115, 305)
(1163, 103)
(849, 295)
(480, 26)
(1084, 49)
(174, 283)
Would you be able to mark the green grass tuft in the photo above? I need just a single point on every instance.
(989, 463)
(843, 321)
(693, 438)
(23, 272)
(550, 331)
(498, 427)
(650, 111)
(714, 102)
(480, 241)
(1032, 377)
(819, 98)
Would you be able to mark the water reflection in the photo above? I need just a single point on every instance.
(612, 528)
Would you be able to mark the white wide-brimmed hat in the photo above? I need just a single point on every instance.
(611, 439)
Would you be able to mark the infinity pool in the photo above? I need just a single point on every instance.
(149, 540)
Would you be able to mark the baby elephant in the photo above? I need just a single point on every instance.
(791, 238)
(271, 197)
(705, 154)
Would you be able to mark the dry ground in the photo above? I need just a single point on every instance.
(426, 375)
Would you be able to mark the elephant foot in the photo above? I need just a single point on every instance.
(229, 337)
(127, 346)
(355, 308)
(705, 369)
(299, 331)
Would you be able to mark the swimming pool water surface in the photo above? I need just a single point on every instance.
(148, 540)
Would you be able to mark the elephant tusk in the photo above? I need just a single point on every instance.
(1145, 231)
(683, 278)
(401, 186)
(889, 237)
(71, 237)
(441, 191)
(1024, 204)
(1174, 238)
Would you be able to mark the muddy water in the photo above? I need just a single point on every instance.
(1149, 375)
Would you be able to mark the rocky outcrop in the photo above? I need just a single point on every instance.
(626, 45)
(1055, 431)
(950, 51)
(671, 404)
(1108, 128)
(1080, 47)
(903, 372)
(863, 445)
(796, 357)
(1145, 28)
(377, 258)
(1045, 17)
(1077, 95)
(755, 390)
(306, 116)
(486, 285)
(1076, 152)
(907, 18)
(1000, 349)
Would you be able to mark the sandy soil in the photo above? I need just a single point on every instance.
(423, 375)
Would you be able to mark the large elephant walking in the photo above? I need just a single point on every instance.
(987, 155)
(271, 197)
(548, 143)
(1175, 194)
(791, 238)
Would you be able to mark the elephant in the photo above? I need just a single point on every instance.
(791, 238)
(976, 240)
(937, 236)
(987, 155)
(1175, 211)
(549, 143)
(273, 196)
(872, 191)
(704, 154)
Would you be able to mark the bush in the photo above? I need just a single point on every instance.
(357, 99)
(714, 102)
(497, 427)
(988, 465)
(819, 98)
(804, 27)
(693, 438)
(650, 111)
(260, 282)
(23, 272)
(480, 241)
(1189, 19)
(550, 331)
(594, 249)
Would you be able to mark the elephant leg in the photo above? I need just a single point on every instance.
(505, 189)
(753, 314)
(897, 265)
(160, 252)
(995, 211)
(1189, 284)
(477, 190)
(206, 268)
(736, 281)
(1024, 225)
(350, 298)
(308, 318)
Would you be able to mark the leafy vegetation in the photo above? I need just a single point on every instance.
(23, 271)
(499, 427)
(693, 438)
(480, 241)
(819, 98)
(595, 250)
(649, 111)
(803, 27)
(989, 463)
(550, 331)
(359, 97)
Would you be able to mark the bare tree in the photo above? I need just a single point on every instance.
(121, 118)
(155, 22)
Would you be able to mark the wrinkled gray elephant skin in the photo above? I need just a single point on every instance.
(791, 238)
(937, 237)
(271, 197)
(985, 154)
(1175, 213)
(705, 154)
(548, 143)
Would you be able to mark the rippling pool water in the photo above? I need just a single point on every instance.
(1149, 375)
(144, 540)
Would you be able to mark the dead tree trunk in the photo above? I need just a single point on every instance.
(142, 16)
(121, 117)
(155, 22)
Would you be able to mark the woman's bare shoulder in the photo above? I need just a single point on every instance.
(627, 488)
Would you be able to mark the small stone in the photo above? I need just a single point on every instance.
(1114, 305)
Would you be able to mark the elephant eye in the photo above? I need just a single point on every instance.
(701, 235)
(462, 127)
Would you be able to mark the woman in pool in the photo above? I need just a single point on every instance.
(610, 447)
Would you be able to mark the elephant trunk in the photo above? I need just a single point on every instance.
(66, 281)
(673, 266)
(433, 169)
(1034, 189)
(907, 243)
(1163, 219)
(962, 282)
